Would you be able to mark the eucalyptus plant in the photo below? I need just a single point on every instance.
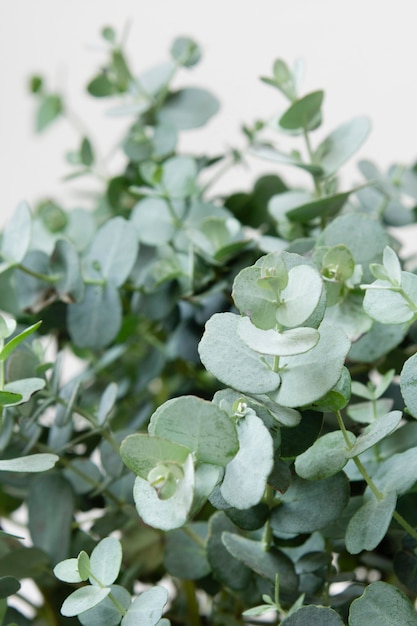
(208, 401)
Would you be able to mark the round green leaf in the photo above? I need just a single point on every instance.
(105, 561)
(147, 609)
(382, 604)
(141, 453)
(225, 355)
(188, 108)
(179, 177)
(153, 221)
(300, 297)
(67, 571)
(107, 613)
(172, 512)
(9, 585)
(311, 505)
(391, 307)
(369, 524)
(186, 51)
(320, 368)
(304, 113)
(113, 251)
(266, 563)
(95, 321)
(327, 456)
(341, 144)
(198, 425)
(83, 599)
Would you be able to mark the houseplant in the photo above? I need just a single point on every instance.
(237, 442)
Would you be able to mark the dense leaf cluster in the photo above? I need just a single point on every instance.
(208, 403)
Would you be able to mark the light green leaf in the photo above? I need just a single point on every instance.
(308, 506)
(179, 177)
(379, 340)
(67, 571)
(389, 306)
(41, 462)
(113, 251)
(95, 321)
(327, 456)
(320, 368)
(172, 512)
(304, 113)
(83, 599)
(105, 561)
(369, 524)
(300, 297)
(198, 425)
(17, 340)
(281, 204)
(50, 108)
(392, 265)
(141, 453)
(22, 389)
(382, 604)
(153, 221)
(242, 488)
(377, 431)
(7, 327)
(107, 402)
(188, 108)
(83, 564)
(8, 398)
(265, 563)
(17, 234)
(272, 342)
(364, 236)
(147, 609)
(107, 613)
(186, 51)
(408, 383)
(254, 300)
(397, 473)
(341, 144)
(225, 355)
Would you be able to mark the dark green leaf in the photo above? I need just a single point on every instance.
(382, 605)
(185, 552)
(304, 113)
(86, 152)
(95, 321)
(226, 569)
(311, 505)
(8, 586)
(265, 563)
(50, 505)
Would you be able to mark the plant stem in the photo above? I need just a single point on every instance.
(378, 494)
(193, 612)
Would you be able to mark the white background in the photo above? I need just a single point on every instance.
(361, 52)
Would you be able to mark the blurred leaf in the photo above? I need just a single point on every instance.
(188, 108)
(50, 108)
(304, 113)
(41, 462)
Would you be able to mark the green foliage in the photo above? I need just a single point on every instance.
(240, 423)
